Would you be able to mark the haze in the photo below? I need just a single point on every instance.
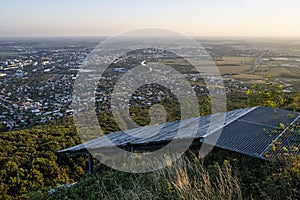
(274, 18)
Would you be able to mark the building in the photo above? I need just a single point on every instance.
(255, 132)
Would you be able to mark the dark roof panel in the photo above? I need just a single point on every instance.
(250, 131)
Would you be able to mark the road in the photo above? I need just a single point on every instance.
(256, 63)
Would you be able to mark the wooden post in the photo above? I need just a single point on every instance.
(90, 163)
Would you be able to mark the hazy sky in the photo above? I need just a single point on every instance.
(109, 17)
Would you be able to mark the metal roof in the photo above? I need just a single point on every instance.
(249, 131)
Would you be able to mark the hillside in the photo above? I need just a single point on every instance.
(30, 166)
(222, 175)
(28, 159)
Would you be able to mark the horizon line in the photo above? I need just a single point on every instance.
(147, 36)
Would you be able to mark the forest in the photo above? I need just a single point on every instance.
(30, 165)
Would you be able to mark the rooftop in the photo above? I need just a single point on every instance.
(249, 131)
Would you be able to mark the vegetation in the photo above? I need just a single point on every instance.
(222, 175)
(271, 94)
(185, 179)
(28, 159)
(29, 165)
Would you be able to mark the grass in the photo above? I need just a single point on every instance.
(221, 175)
(185, 179)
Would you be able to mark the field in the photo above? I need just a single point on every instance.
(239, 68)
(234, 65)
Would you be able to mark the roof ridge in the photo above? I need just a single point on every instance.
(231, 121)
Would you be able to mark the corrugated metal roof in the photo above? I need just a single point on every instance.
(249, 131)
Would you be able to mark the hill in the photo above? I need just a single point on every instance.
(29, 164)
(28, 159)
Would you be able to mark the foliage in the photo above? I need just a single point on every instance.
(28, 159)
(221, 175)
(29, 165)
(260, 179)
(293, 102)
(269, 94)
(185, 179)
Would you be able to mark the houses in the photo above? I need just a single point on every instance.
(37, 87)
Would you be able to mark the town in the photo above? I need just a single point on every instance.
(37, 77)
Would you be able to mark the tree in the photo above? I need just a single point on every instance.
(269, 94)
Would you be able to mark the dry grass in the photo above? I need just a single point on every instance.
(193, 181)
(185, 179)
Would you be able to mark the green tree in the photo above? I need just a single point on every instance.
(269, 94)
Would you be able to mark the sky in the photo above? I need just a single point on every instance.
(251, 18)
